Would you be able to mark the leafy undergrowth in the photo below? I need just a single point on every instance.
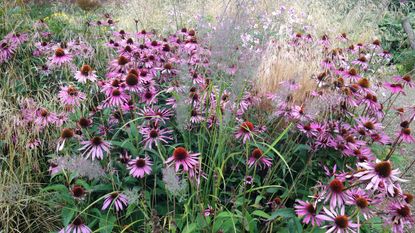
(108, 130)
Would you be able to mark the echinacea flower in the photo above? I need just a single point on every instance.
(209, 211)
(77, 226)
(308, 211)
(245, 131)
(117, 199)
(60, 57)
(45, 117)
(116, 98)
(341, 223)
(181, 157)
(405, 135)
(336, 193)
(139, 167)
(257, 157)
(406, 80)
(154, 135)
(248, 180)
(66, 134)
(379, 174)
(85, 73)
(70, 96)
(78, 192)
(399, 216)
(95, 148)
(359, 198)
(394, 88)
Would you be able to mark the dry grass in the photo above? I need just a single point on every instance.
(287, 63)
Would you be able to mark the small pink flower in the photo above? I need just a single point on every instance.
(71, 96)
(245, 131)
(139, 167)
(379, 174)
(257, 157)
(154, 135)
(95, 148)
(308, 211)
(395, 88)
(181, 157)
(341, 223)
(117, 199)
(86, 73)
(60, 57)
(77, 226)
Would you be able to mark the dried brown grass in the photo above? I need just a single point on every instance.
(285, 63)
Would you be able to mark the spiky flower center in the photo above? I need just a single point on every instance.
(114, 195)
(364, 83)
(67, 133)
(180, 154)
(168, 66)
(97, 141)
(59, 52)
(148, 95)
(342, 221)
(362, 59)
(85, 70)
(369, 125)
(84, 122)
(336, 186)
(78, 191)
(72, 91)
(362, 202)
(310, 209)
(131, 79)
(257, 153)
(383, 169)
(406, 131)
(247, 127)
(154, 133)
(77, 222)
(140, 163)
(408, 197)
(122, 60)
(404, 211)
(44, 113)
(116, 92)
(407, 78)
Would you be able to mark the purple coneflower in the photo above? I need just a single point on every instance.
(95, 148)
(341, 223)
(308, 211)
(78, 192)
(60, 57)
(395, 88)
(406, 80)
(116, 98)
(245, 131)
(117, 199)
(181, 157)
(336, 193)
(399, 216)
(405, 135)
(44, 117)
(257, 157)
(154, 135)
(139, 167)
(71, 96)
(77, 226)
(379, 174)
(85, 73)
(359, 198)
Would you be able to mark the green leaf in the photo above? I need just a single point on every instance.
(285, 213)
(67, 215)
(190, 228)
(56, 187)
(107, 224)
(261, 214)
